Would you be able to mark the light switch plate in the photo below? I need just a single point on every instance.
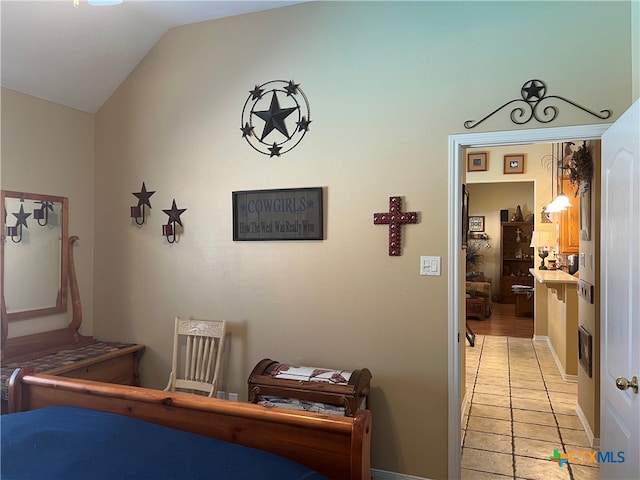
(430, 265)
(585, 290)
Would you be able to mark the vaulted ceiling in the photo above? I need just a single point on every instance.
(78, 55)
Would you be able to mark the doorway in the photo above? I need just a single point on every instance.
(487, 268)
(457, 143)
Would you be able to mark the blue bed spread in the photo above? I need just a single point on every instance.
(74, 443)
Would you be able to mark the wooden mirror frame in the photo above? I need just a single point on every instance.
(61, 301)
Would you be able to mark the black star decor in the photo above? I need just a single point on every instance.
(247, 130)
(532, 90)
(275, 150)
(274, 117)
(284, 117)
(291, 88)
(174, 213)
(303, 125)
(256, 93)
(143, 196)
(22, 217)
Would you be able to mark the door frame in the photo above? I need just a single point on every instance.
(457, 143)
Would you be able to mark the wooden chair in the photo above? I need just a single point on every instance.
(197, 353)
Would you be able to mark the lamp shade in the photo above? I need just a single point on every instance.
(560, 203)
(563, 201)
(541, 239)
(553, 207)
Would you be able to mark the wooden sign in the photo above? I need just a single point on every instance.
(283, 214)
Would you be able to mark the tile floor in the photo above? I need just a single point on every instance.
(521, 411)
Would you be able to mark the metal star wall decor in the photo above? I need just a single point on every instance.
(275, 117)
(22, 217)
(143, 196)
(174, 213)
(534, 92)
(169, 230)
(137, 211)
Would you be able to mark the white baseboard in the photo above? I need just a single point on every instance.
(382, 475)
(541, 338)
(593, 441)
(565, 376)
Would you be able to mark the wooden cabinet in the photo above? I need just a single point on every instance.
(120, 366)
(516, 258)
(569, 226)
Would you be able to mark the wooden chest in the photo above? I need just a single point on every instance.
(476, 308)
(340, 388)
(110, 362)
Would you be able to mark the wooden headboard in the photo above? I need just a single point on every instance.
(336, 446)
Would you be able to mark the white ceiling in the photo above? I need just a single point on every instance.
(77, 56)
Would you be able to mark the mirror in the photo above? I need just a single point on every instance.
(34, 254)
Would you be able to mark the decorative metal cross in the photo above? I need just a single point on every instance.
(395, 218)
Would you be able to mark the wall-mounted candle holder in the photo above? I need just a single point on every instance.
(16, 232)
(137, 211)
(169, 229)
(42, 214)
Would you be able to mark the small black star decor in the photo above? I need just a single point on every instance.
(21, 220)
(169, 230)
(22, 217)
(534, 95)
(281, 110)
(137, 211)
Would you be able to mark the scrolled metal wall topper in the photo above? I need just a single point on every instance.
(533, 93)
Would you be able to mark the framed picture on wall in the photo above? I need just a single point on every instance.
(477, 162)
(514, 163)
(585, 347)
(279, 214)
(476, 223)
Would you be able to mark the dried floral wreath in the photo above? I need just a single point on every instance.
(581, 169)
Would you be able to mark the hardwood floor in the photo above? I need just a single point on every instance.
(503, 322)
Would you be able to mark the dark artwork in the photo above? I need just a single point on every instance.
(283, 214)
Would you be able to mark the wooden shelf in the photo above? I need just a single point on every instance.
(516, 258)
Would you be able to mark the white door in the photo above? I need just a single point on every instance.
(620, 311)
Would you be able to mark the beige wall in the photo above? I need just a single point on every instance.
(589, 313)
(48, 149)
(387, 83)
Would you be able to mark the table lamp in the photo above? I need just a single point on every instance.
(542, 240)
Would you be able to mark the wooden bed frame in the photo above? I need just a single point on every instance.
(336, 446)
